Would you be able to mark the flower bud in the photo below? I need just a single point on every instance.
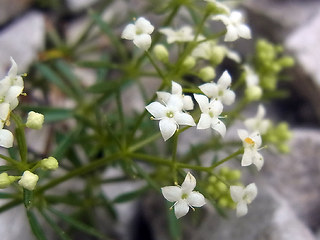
(28, 180)
(253, 93)
(189, 63)
(218, 54)
(207, 73)
(49, 163)
(161, 53)
(6, 180)
(35, 120)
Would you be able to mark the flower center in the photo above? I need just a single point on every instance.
(220, 93)
(249, 141)
(170, 114)
(184, 196)
(211, 113)
(139, 31)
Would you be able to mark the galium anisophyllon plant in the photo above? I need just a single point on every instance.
(186, 92)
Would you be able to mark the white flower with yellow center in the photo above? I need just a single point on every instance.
(176, 89)
(258, 123)
(235, 26)
(184, 34)
(211, 111)
(243, 196)
(251, 144)
(170, 115)
(220, 90)
(184, 196)
(139, 32)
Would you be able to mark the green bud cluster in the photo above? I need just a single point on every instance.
(279, 136)
(219, 190)
(269, 63)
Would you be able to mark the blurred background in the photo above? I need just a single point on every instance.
(288, 206)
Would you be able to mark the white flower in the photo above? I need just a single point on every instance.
(170, 115)
(210, 114)
(28, 180)
(243, 196)
(251, 144)
(184, 34)
(184, 196)
(176, 89)
(35, 120)
(258, 123)
(235, 26)
(139, 32)
(220, 90)
(6, 138)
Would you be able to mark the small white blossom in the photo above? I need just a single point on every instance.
(258, 123)
(220, 90)
(28, 180)
(35, 120)
(170, 115)
(210, 114)
(184, 196)
(139, 32)
(235, 26)
(184, 34)
(176, 89)
(251, 144)
(243, 196)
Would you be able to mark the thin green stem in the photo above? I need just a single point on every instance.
(21, 138)
(156, 66)
(174, 156)
(240, 151)
(144, 142)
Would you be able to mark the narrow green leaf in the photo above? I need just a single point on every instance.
(77, 224)
(5, 168)
(108, 87)
(10, 205)
(27, 198)
(20, 136)
(174, 225)
(55, 226)
(130, 195)
(108, 206)
(35, 226)
(7, 195)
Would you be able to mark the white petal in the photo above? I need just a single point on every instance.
(258, 160)
(142, 41)
(247, 157)
(13, 93)
(251, 192)
(256, 137)
(181, 208)
(216, 107)
(13, 70)
(244, 31)
(261, 111)
(167, 128)
(176, 88)
(228, 97)
(232, 34)
(236, 17)
(236, 193)
(251, 124)
(184, 119)
(4, 111)
(144, 25)
(203, 102)
(264, 126)
(163, 96)
(222, 18)
(242, 209)
(175, 103)
(5, 84)
(243, 134)
(219, 127)
(187, 103)
(204, 121)
(157, 109)
(14, 103)
(188, 184)
(233, 55)
(209, 89)
(129, 32)
(196, 199)
(225, 80)
(172, 193)
(6, 138)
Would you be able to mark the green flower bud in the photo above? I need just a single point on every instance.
(49, 163)
(212, 179)
(253, 93)
(161, 53)
(221, 187)
(223, 202)
(224, 171)
(286, 62)
(283, 148)
(207, 73)
(234, 175)
(217, 55)
(35, 120)
(6, 180)
(189, 63)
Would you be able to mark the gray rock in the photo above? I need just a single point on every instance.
(12, 8)
(22, 40)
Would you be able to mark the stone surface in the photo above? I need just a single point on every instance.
(22, 40)
(12, 8)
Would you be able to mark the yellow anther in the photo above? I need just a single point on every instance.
(249, 140)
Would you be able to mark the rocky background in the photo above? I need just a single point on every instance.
(288, 207)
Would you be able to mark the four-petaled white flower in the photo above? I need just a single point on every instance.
(184, 196)
(170, 115)
(220, 90)
(251, 144)
(235, 26)
(184, 34)
(210, 114)
(258, 123)
(139, 32)
(176, 89)
(243, 196)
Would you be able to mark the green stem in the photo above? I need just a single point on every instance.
(144, 142)
(21, 138)
(240, 151)
(174, 156)
(156, 66)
